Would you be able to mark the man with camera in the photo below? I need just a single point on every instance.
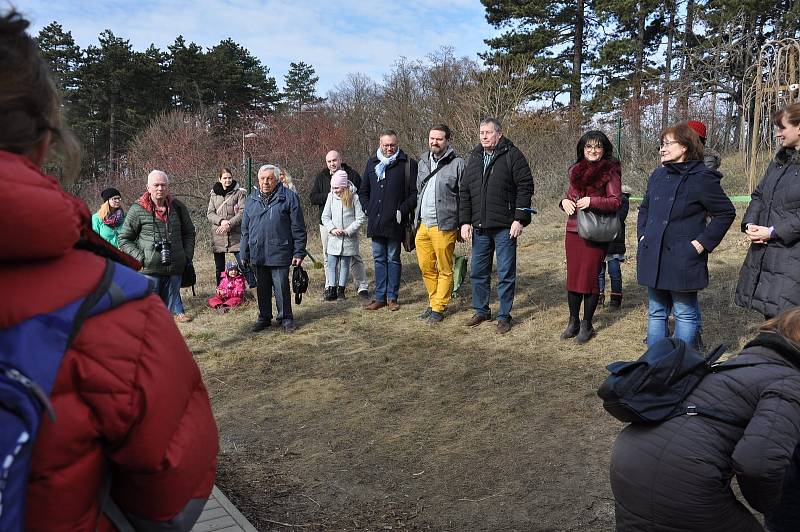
(159, 232)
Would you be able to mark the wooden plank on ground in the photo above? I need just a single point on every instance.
(220, 515)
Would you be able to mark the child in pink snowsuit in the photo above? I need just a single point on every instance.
(230, 292)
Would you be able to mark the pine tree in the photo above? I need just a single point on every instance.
(551, 33)
(300, 86)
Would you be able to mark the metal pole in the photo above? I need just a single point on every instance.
(619, 138)
(249, 175)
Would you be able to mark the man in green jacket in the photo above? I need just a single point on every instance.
(159, 232)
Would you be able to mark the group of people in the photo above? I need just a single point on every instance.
(138, 417)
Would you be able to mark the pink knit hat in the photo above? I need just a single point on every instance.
(339, 179)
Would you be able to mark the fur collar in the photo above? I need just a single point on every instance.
(219, 190)
(787, 156)
(584, 175)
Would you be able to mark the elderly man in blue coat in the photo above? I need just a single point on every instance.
(674, 238)
(273, 239)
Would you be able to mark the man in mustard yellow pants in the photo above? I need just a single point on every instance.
(438, 180)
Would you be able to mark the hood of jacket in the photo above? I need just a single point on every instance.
(786, 348)
(42, 221)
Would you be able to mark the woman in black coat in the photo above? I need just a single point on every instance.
(674, 239)
(676, 475)
(594, 183)
(769, 281)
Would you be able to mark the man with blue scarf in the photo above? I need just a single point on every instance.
(389, 202)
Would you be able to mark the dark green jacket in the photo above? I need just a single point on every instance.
(141, 230)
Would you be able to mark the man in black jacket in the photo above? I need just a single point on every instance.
(495, 192)
(319, 194)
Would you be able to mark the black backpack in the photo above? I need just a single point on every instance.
(654, 388)
(299, 283)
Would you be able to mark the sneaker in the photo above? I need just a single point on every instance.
(363, 293)
(503, 326)
(260, 325)
(435, 317)
(425, 314)
(375, 305)
(477, 319)
(182, 318)
(393, 305)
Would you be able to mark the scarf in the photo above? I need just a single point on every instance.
(114, 218)
(590, 179)
(219, 190)
(383, 162)
(265, 197)
(147, 203)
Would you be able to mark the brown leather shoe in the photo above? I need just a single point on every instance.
(376, 305)
(503, 326)
(393, 305)
(182, 318)
(476, 319)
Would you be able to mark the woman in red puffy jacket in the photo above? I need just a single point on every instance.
(134, 427)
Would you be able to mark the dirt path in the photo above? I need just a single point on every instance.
(379, 422)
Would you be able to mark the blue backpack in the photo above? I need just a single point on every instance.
(655, 387)
(30, 355)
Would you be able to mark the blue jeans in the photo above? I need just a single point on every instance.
(386, 254)
(333, 262)
(168, 288)
(614, 273)
(684, 307)
(485, 243)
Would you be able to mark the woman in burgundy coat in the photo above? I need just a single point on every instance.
(594, 183)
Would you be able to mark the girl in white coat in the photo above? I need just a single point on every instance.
(342, 217)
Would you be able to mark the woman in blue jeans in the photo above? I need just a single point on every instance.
(674, 238)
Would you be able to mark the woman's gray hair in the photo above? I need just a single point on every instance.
(276, 170)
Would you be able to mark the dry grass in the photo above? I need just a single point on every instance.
(373, 421)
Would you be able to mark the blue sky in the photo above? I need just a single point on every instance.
(336, 37)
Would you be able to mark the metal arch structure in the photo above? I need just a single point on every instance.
(775, 78)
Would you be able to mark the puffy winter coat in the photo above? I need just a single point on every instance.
(229, 206)
(336, 216)
(322, 186)
(382, 199)
(128, 397)
(676, 476)
(491, 198)
(143, 229)
(275, 232)
(448, 181)
(109, 233)
(769, 280)
(671, 215)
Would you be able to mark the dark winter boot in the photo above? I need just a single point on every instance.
(340, 293)
(601, 300)
(586, 333)
(330, 293)
(616, 301)
(572, 328)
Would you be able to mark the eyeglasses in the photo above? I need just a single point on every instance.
(593, 148)
(665, 143)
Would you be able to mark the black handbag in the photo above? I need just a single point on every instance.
(189, 277)
(597, 226)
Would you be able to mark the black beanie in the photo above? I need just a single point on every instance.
(109, 193)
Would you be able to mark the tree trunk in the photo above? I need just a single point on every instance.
(688, 42)
(111, 136)
(670, 6)
(577, 61)
(637, 78)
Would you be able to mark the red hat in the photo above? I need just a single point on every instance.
(699, 127)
